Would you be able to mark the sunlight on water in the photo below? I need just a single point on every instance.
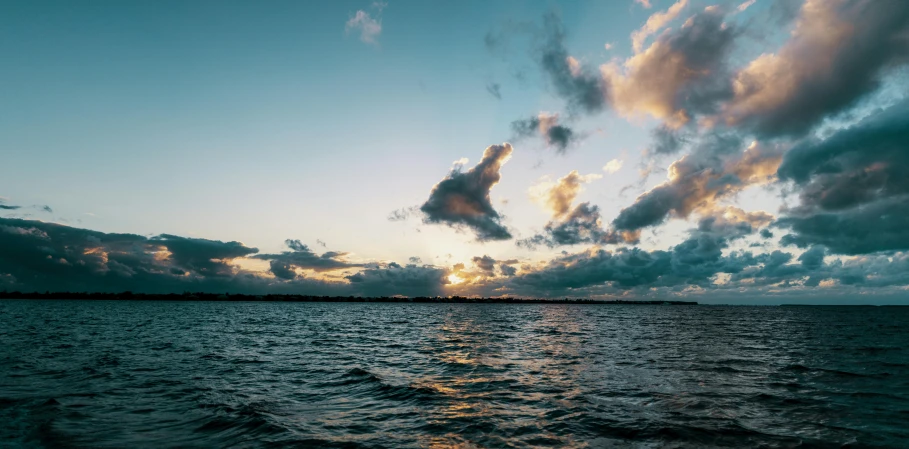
(170, 374)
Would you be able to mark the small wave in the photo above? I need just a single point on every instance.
(374, 387)
(875, 349)
(726, 369)
(248, 361)
(840, 373)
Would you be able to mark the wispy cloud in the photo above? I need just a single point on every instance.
(369, 26)
(655, 23)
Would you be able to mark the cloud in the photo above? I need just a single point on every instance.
(485, 263)
(813, 258)
(882, 226)
(495, 90)
(852, 186)
(667, 140)
(42, 256)
(692, 262)
(394, 279)
(4, 206)
(46, 256)
(558, 197)
(403, 213)
(644, 3)
(837, 54)
(507, 270)
(548, 127)
(613, 166)
(201, 256)
(284, 264)
(582, 90)
(582, 224)
(857, 165)
(461, 200)
(697, 181)
(571, 225)
(745, 5)
(683, 73)
(370, 28)
(655, 23)
(732, 222)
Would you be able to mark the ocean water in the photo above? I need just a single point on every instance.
(219, 374)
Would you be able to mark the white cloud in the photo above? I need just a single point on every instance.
(613, 166)
(369, 28)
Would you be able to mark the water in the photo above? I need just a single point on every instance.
(200, 374)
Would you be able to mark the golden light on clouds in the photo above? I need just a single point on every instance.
(454, 279)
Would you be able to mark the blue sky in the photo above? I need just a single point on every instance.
(260, 122)
(241, 122)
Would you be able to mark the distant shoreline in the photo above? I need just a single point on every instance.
(128, 296)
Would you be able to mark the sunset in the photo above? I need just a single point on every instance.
(456, 198)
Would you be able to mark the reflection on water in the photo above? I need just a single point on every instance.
(175, 374)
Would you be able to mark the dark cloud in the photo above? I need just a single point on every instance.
(697, 266)
(838, 53)
(582, 89)
(394, 279)
(582, 224)
(693, 262)
(495, 90)
(506, 268)
(403, 213)
(733, 223)
(625, 268)
(283, 265)
(39, 256)
(415, 260)
(716, 169)
(547, 126)
(46, 256)
(462, 198)
(667, 140)
(4, 206)
(813, 258)
(879, 226)
(201, 256)
(858, 165)
(853, 188)
(485, 263)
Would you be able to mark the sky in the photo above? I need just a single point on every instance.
(720, 151)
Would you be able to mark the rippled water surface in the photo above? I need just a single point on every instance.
(200, 374)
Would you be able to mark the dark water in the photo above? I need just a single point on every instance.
(165, 374)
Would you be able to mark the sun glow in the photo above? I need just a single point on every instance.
(454, 279)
